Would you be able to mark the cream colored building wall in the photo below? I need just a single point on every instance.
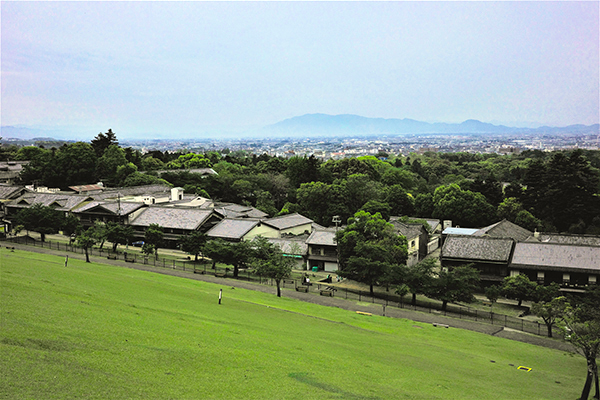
(261, 230)
(413, 244)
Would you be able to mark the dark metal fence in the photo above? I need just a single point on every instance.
(319, 288)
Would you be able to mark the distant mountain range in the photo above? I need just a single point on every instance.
(347, 124)
(311, 125)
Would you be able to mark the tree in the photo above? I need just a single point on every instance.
(85, 240)
(583, 326)
(41, 219)
(518, 287)
(111, 160)
(193, 243)
(238, 254)
(550, 311)
(457, 284)
(148, 248)
(368, 248)
(74, 164)
(269, 261)
(118, 234)
(463, 207)
(154, 236)
(103, 141)
(493, 293)
(419, 278)
(70, 225)
(401, 202)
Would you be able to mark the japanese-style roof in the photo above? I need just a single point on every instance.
(232, 228)
(505, 229)
(173, 218)
(459, 231)
(60, 201)
(86, 188)
(477, 248)
(585, 240)
(155, 190)
(410, 231)
(230, 210)
(290, 246)
(555, 256)
(288, 221)
(433, 223)
(112, 207)
(8, 192)
(322, 238)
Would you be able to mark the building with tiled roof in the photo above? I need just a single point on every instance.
(107, 211)
(505, 229)
(490, 256)
(175, 221)
(290, 224)
(568, 264)
(416, 238)
(322, 251)
(241, 229)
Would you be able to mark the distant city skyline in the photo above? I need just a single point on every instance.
(180, 69)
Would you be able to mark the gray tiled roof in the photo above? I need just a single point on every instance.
(409, 230)
(61, 201)
(477, 248)
(230, 210)
(554, 255)
(586, 240)
(174, 218)
(232, 228)
(112, 207)
(288, 221)
(155, 190)
(7, 192)
(323, 238)
(505, 229)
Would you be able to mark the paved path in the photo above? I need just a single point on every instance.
(351, 305)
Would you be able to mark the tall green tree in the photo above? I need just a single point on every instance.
(155, 236)
(118, 234)
(582, 320)
(41, 219)
(368, 248)
(103, 141)
(86, 239)
(456, 285)
(518, 287)
(270, 262)
(419, 278)
(111, 160)
(193, 243)
(463, 207)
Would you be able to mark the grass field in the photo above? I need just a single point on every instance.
(92, 331)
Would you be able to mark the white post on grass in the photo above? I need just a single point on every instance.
(220, 295)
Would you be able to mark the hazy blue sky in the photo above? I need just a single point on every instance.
(216, 67)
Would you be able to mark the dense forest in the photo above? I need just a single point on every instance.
(548, 191)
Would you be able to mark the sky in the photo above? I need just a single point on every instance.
(182, 69)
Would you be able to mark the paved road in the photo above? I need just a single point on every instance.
(351, 305)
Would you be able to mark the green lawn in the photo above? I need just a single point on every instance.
(95, 331)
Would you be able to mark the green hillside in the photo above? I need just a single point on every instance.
(99, 332)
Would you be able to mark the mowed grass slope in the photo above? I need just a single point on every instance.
(99, 332)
